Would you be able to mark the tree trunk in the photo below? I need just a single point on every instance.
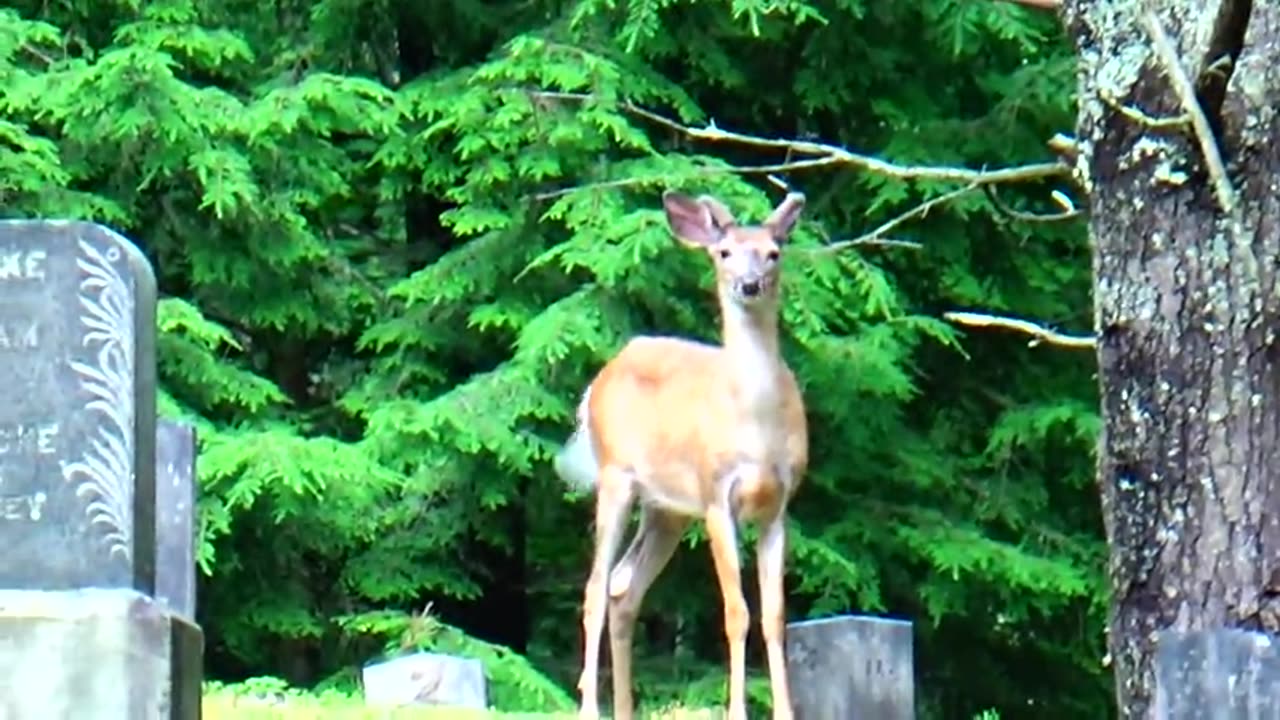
(1186, 299)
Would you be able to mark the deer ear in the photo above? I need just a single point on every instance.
(690, 220)
(720, 214)
(783, 218)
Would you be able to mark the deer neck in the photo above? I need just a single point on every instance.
(749, 337)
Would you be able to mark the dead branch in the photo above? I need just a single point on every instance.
(825, 154)
(1039, 333)
(767, 170)
(1226, 42)
(1186, 93)
(815, 154)
(918, 211)
(863, 241)
(1063, 201)
(1069, 213)
(38, 54)
(1065, 147)
(1142, 117)
(1039, 4)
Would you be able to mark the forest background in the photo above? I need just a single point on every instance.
(393, 241)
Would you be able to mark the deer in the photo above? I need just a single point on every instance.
(695, 430)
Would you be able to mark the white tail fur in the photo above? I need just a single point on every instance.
(576, 462)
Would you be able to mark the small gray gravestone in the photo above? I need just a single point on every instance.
(77, 409)
(1223, 674)
(426, 679)
(82, 634)
(851, 668)
(175, 516)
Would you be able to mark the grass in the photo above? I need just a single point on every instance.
(271, 699)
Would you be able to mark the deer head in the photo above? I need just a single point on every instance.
(746, 257)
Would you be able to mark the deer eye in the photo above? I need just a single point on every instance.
(724, 253)
(772, 255)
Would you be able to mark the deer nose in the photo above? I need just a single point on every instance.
(750, 288)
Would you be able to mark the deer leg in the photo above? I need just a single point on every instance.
(655, 542)
(723, 535)
(614, 493)
(771, 549)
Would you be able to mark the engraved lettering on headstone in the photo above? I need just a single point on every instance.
(23, 507)
(22, 264)
(29, 438)
(19, 335)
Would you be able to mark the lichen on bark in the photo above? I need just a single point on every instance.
(1186, 300)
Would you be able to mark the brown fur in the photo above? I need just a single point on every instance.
(695, 430)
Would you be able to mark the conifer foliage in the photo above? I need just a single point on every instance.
(394, 240)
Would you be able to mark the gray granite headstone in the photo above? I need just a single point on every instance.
(851, 668)
(91, 627)
(77, 408)
(426, 679)
(175, 516)
(1223, 674)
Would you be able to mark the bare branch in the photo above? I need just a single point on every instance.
(768, 170)
(1070, 213)
(1226, 42)
(918, 211)
(778, 182)
(1065, 146)
(1187, 97)
(1039, 4)
(1063, 201)
(869, 241)
(815, 154)
(38, 54)
(1039, 333)
(825, 154)
(1143, 118)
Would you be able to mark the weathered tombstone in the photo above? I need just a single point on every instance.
(77, 409)
(426, 679)
(851, 668)
(81, 633)
(1223, 674)
(175, 516)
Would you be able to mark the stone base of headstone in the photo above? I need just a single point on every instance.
(1221, 674)
(96, 654)
(851, 668)
(426, 679)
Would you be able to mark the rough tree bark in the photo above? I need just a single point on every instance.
(1186, 301)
